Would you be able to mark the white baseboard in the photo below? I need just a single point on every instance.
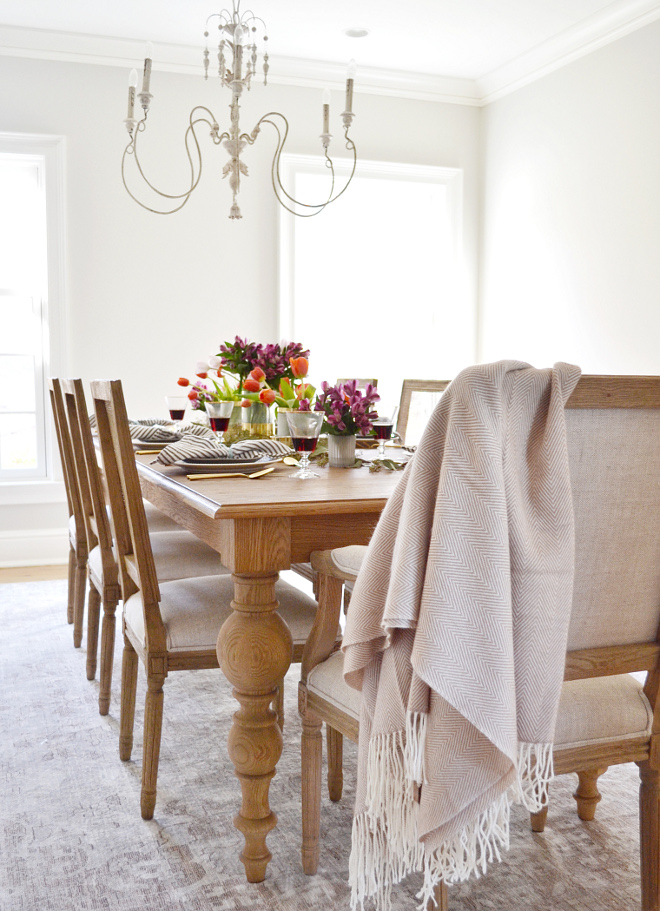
(34, 547)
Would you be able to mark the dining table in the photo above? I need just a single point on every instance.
(261, 527)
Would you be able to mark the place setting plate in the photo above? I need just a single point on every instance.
(202, 466)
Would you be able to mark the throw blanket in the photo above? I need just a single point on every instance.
(457, 632)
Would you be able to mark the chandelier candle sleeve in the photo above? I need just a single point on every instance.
(326, 111)
(132, 84)
(350, 79)
(146, 75)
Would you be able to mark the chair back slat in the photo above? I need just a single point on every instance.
(128, 515)
(77, 498)
(613, 435)
(98, 522)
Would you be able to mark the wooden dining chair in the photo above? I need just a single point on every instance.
(77, 530)
(606, 716)
(170, 626)
(177, 553)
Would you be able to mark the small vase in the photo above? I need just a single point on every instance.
(341, 450)
(235, 430)
(256, 419)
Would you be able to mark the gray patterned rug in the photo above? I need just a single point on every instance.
(71, 836)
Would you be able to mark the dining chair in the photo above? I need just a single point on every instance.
(77, 531)
(418, 399)
(171, 626)
(606, 716)
(178, 554)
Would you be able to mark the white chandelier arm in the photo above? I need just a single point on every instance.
(278, 186)
(131, 149)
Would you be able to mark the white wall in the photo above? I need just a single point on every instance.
(571, 225)
(147, 295)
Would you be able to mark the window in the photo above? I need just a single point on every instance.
(30, 275)
(373, 285)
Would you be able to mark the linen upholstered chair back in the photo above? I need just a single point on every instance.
(613, 434)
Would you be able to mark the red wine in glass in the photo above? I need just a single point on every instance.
(176, 414)
(383, 431)
(219, 424)
(304, 444)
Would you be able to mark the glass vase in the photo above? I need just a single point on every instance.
(257, 420)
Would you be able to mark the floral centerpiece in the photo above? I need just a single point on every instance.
(346, 412)
(241, 357)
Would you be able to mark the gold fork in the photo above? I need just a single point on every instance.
(231, 474)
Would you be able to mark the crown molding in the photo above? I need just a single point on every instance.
(618, 19)
(70, 47)
(615, 21)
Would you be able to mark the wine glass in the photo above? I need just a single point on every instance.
(219, 414)
(176, 405)
(305, 427)
(383, 428)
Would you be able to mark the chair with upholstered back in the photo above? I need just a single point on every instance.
(79, 506)
(170, 626)
(605, 715)
(418, 399)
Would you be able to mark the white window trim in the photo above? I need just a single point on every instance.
(52, 148)
(452, 178)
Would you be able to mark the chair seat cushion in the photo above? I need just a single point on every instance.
(177, 555)
(590, 711)
(349, 559)
(193, 610)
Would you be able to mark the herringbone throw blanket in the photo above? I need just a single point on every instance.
(457, 632)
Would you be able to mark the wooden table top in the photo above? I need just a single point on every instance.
(336, 491)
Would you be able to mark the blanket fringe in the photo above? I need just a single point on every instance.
(385, 841)
(535, 772)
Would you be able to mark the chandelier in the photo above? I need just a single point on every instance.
(237, 61)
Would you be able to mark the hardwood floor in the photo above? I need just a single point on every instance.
(32, 573)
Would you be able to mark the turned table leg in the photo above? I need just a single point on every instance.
(587, 794)
(255, 651)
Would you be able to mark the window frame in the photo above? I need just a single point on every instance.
(293, 164)
(51, 150)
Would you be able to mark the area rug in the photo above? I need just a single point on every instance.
(72, 839)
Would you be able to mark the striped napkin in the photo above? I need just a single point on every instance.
(193, 447)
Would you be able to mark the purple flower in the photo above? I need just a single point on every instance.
(346, 409)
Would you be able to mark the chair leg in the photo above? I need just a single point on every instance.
(440, 897)
(129, 669)
(311, 746)
(587, 794)
(649, 830)
(335, 743)
(153, 727)
(71, 594)
(93, 609)
(107, 655)
(79, 600)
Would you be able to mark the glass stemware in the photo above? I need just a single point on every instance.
(305, 427)
(176, 405)
(219, 414)
(383, 430)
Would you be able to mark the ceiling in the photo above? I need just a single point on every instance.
(475, 48)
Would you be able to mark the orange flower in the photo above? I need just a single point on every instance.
(202, 376)
(267, 396)
(246, 403)
(182, 381)
(193, 395)
(299, 366)
(251, 384)
(257, 374)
